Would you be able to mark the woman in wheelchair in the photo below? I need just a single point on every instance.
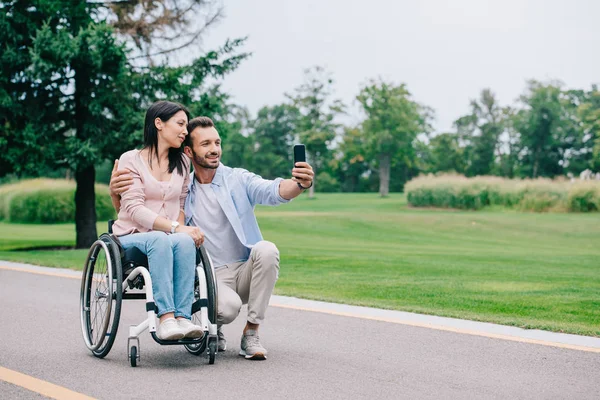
(151, 217)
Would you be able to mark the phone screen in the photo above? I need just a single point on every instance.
(299, 153)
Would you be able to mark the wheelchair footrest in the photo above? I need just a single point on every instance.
(180, 341)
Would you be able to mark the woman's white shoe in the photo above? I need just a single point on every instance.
(169, 329)
(190, 330)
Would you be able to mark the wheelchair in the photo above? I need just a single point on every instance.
(112, 275)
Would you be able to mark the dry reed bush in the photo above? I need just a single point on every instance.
(538, 195)
(584, 197)
(49, 201)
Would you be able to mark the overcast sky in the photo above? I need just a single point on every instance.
(446, 51)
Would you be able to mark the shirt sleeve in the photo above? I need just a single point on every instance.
(186, 182)
(133, 200)
(262, 191)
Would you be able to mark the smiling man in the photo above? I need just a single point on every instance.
(221, 203)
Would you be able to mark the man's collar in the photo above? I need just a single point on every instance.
(217, 179)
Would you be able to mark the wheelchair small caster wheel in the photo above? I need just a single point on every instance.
(212, 351)
(133, 356)
(134, 353)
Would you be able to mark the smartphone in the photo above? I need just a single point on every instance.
(299, 153)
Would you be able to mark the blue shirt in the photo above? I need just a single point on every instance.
(238, 191)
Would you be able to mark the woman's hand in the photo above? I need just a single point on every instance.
(194, 232)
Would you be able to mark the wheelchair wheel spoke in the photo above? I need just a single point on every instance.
(94, 324)
(95, 328)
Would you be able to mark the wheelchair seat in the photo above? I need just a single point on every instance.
(130, 258)
(134, 257)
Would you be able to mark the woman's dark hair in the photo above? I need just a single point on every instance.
(163, 110)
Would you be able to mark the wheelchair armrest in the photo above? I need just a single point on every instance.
(110, 225)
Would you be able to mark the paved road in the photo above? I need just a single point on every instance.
(311, 356)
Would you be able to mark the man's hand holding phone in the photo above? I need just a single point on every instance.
(302, 172)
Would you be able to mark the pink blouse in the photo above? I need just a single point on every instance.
(149, 198)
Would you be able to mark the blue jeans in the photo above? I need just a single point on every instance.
(172, 262)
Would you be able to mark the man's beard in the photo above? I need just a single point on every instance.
(201, 161)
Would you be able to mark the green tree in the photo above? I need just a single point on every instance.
(273, 134)
(393, 122)
(316, 125)
(65, 77)
(187, 84)
(446, 153)
(547, 128)
(69, 96)
(351, 161)
(510, 145)
(589, 115)
(480, 133)
(237, 150)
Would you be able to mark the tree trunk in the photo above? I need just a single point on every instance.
(384, 175)
(85, 174)
(85, 207)
(536, 163)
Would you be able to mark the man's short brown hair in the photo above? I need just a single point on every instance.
(198, 122)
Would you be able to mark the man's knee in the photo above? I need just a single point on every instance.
(267, 252)
(229, 309)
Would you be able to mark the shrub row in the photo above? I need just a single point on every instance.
(539, 195)
(47, 201)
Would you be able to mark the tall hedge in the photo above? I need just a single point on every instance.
(47, 201)
(540, 195)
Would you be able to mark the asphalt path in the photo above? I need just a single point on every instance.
(312, 355)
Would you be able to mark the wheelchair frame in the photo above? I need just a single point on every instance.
(104, 287)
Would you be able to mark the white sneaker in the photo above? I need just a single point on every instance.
(169, 330)
(251, 347)
(190, 330)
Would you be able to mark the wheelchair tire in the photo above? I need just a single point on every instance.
(211, 282)
(198, 349)
(101, 296)
(133, 356)
(212, 351)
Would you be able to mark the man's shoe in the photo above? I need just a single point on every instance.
(222, 346)
(169, 330)
(190, 331)
(251, 347)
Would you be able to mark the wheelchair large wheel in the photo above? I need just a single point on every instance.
(101, 295)
(211, 283)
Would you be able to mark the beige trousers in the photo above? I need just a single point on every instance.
(249, 282)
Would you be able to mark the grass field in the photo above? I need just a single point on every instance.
(522, 269)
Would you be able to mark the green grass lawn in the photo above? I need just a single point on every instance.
(522, 269)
